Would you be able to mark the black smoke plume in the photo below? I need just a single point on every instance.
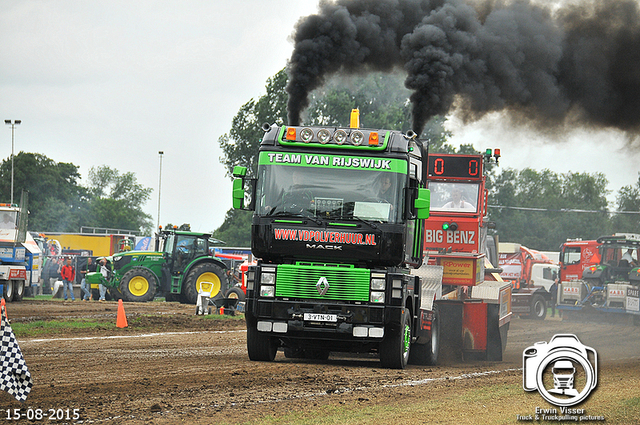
(547, 65)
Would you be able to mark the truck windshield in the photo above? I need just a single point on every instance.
(330, 193)
(456, 197)
(7, 220)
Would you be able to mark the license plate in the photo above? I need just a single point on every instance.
(318, 317)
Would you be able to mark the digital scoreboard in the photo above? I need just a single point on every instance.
(455, 166)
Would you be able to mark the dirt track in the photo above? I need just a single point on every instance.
(190, 369)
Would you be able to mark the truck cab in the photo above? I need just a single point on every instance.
(20, 255)
(337, 225)
(455, 242)
(575, 256)
(612, 285)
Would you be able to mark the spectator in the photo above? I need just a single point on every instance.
(553, 290)
(84, 286)
(628, 257)
(68, 274)
(105, 273)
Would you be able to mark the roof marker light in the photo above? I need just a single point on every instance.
(291, 133)
(373, 138)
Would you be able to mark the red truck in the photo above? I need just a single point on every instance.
(475, 298)
(575, 256)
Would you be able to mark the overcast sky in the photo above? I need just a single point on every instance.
(113, 82)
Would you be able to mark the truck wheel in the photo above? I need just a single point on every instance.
(427, 354)
(235, 293)
(206, 272)
(8, 291)
(396, 345)
(261, 347)
(538, 308)
(18, 290)
(138, 285)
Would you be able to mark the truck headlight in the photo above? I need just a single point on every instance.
(267, 291)
(377, 297)
(267, 278)
(377, 284)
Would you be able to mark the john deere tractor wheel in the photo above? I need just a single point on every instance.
(113, 293)
(138, 285)
(204, 276)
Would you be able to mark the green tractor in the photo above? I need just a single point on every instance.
(182, 265)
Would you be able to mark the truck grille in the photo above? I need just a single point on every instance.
(301, 281)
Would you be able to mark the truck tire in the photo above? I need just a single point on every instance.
(206, 272)
(138, 285)
(8, 291)
(538, 308)
(427, 354)
(396, 345)
(18, 290)
(235, 293)
(260, 346)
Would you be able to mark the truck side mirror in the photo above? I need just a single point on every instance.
(238, 193)
(422, 203)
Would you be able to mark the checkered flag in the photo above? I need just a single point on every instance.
(14, 374)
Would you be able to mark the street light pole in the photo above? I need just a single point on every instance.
(13, 127)
(159, 187)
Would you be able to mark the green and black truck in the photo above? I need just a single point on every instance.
(337, 227)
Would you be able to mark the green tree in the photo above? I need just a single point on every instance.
(532, 207)
(56, 201)
(116, 200)
(627, 200)
(240, 145)
(236, 229)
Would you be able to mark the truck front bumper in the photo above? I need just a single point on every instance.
(324, 322)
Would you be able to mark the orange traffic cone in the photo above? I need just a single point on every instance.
(121, 318)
